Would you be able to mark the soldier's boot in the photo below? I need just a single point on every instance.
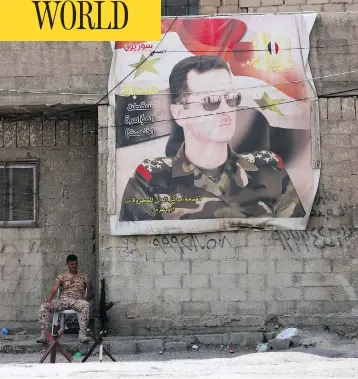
(82, 338)
(42, 338)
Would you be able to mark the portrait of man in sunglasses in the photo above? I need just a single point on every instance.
(207, 179)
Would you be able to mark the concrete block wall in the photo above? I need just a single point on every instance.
(271, 6)
(30, 258)
(239, 281)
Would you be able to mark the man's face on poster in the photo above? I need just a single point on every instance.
(209, 109)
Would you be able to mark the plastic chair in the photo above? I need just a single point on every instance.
(59, 317)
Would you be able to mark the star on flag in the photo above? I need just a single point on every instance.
(145, 65)
(267, 103)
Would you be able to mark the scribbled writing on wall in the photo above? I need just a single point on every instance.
(192, 242)
(327, 204)
(127, 247)
(318, 237)
(14, 257)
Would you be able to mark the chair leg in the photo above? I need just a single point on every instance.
(55, 320)
(62, 320)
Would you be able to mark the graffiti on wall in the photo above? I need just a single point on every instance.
(191, 243)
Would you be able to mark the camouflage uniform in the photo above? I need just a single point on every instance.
(246, 185)
(72, 297)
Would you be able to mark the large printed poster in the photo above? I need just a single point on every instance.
(213, 126)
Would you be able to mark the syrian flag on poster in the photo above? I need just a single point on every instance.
(273, 48)
(267, 55)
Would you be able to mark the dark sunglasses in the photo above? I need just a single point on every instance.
(212, 102)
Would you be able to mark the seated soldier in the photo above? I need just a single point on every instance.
(73, 286)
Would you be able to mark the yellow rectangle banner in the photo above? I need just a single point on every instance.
(80, 20)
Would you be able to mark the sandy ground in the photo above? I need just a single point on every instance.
(198, 365)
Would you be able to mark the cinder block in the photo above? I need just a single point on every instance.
(260, 294)
(122, 347)
(352, 7)
(317, 265)
(89, 132)
(233, 267)
(334, 108)
(309, 307)
(148, 268)
(9, 134)
(266, 3)
(270, 9)
(168, 310)
(295, 2)
(176, 267)
(345, 306)
(23, 134)
(48, 133)
(153, 253)
(195, 281)
(292, 293)
(251, 307)
(224, 281)
(229, 294)
(210, 339)
(258, 238)
(340, 126)
(247, 339)
(228, 8)
(316, 1)
(348, 108)
(196, 309)
(281, 307)
(204, 294)
(323, 107)
(224, 308)
(333, 8)
(167, 281)
(317, 293)
(177, 295)
(251, 252)
(318, 280)
(250, 3)
(341, 265)
(261, 266)
(251, 280)
(204, 3)
(311, 8)
(140, 310)
(289, 265)
(336, 140)
(280, 280)
(175, 346)
(341, 154)
(343, 293)
(150, 345)
(224, 253)
(234, 3)
(205, 267)
(208, 9)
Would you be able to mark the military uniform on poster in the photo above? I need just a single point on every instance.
(246, 185)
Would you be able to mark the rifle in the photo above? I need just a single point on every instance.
(103, 306)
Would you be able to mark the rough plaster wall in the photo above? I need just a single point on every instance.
(237, 281)
(67, 72)
(268, 6)
(30, 258)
